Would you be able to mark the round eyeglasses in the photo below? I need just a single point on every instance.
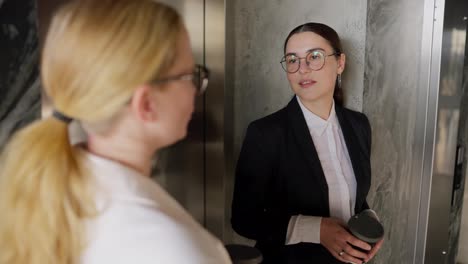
(199, 78)
(314, 59)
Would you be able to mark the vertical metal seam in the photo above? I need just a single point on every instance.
(204, 119)
(430, 131)
(425, 79)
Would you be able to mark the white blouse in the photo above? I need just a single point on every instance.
(336, 164)
(139, 222)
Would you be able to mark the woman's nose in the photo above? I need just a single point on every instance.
(304, 66)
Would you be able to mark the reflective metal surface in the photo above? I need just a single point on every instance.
(447, 102)
(460, 230)
(229, 117)
(179, 168)
(193, 170)
(215, 175)
(426, 111)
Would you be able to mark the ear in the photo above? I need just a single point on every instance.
(143, 105)
(341, 63)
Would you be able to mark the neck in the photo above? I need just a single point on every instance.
(321, 108)
(134, 155)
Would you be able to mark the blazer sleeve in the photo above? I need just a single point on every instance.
(254, 212)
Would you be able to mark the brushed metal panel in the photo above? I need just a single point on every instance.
(423, 156)
(229, 116)
(434, 22)
(197, 176)
(180, 168)
(215, 176)
(446, 129)
(459, 250)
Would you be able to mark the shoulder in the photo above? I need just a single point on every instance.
(272, 125)
(270, 121)
(144, 234)
(355, 117)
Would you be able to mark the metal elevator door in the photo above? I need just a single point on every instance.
(445, 149)
(193, 170)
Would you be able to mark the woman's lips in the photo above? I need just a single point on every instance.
(307, 83)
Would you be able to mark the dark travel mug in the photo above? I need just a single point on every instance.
(366, 227)
(243, 254)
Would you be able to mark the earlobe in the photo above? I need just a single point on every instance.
(142, 104)
(341, 63)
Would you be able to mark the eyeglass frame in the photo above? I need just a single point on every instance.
(336, 53)
(201, 88)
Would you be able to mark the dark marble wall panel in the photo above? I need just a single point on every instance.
(19, 56)
(393, 52)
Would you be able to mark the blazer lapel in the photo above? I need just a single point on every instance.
(352, 145)
(306, 145)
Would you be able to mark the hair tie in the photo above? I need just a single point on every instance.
(61, 117)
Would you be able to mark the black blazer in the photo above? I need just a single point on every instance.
(279, 175)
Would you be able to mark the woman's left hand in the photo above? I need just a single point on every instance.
(375, 249)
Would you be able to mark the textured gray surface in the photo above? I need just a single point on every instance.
(390, 96)
(19, 79)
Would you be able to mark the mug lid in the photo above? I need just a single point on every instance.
(366, 228)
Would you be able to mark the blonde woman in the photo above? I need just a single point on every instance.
(124, 70)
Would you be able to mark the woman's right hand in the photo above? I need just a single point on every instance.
(336, 239)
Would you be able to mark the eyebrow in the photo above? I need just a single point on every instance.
(308, 51)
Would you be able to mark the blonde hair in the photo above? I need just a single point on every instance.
(96, 53)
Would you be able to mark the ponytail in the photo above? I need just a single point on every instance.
(43, 196)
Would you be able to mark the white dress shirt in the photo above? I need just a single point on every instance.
(139, 222)
(334, 157)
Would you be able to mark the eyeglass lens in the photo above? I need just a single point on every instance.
(200, 78)
(314, 60)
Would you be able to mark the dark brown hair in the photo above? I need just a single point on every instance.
(333, 39)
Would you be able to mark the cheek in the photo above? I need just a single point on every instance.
(332, 78)
(329, 76)
(186, 104)
(292, 79)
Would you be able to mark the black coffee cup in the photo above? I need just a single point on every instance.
(366, 227)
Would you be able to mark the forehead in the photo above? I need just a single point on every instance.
(184, 48)
(300, 43)
(184, 57)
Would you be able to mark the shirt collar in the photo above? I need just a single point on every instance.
(315, 123)
(118, 179)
